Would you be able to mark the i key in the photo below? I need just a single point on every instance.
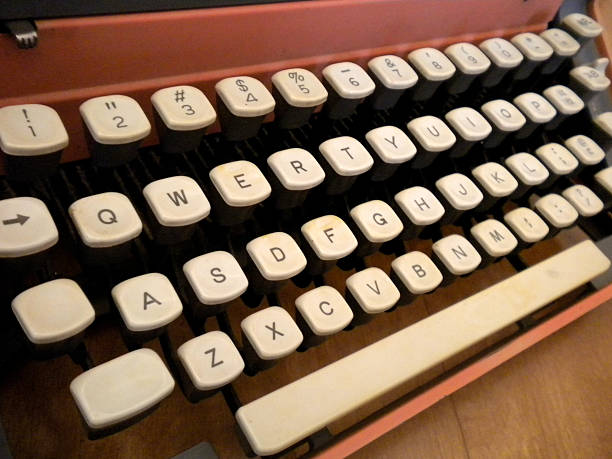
(470, 126)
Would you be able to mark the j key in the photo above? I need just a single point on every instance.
(495, 181)
(53, 315)
(556, 211)
(582, 27)
(504, 57)
(603, 130)
(116, 125)
(603, 184)
(588, 82)
(419, 208)
(470, 126)
(298, 93)
(493, 240)
(26, 227)
(505, 119)
(535, 50)
(348, 85)
(237, 188)
(146, 304)
(243, 104)
(584, 200)
(294, 173)
(559, 161)
(537, 110)
(95, 391)
(210, 361)
(585, 149)
(322, 312)
(32, 137)
(345, 159)
(528, 170)
(470, 62)
(455, 256)
(392, 76)
(268, 335)
(414, 274)
(182, 113)
(375, 223)
(433, 68)
(276, 258)
(329, 239)
(565, 101)
(564, 47)
(370, 292)
(392, 147)
(458, 194)
(526, 225)
(433, 136)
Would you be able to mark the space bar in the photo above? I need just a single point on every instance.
(282, 418)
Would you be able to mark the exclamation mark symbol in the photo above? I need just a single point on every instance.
(25, 113)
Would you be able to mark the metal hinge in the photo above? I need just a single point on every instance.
(24, 32)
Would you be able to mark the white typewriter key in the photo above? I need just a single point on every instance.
(433, 136)
(32, 136)
(603, 130)
(392, 75)
(470, 127)
(26, 227)
(300, 92)
(584, 200)
(564, 46)
(329, 239)
(527, 225)
(504, 57)
(556, 211)
(535, 50)
(415, 274)
(494, 239)
(376, 222)
(433, 68)
(185, 113)
(458, 194)
(238, 187)
(603, 185)
(148, 302)
(529, 171)
(216, 278)
(457, 256)
(581, 26)
(420, 207)
(295, 172)
(392, 147)
(211, 361)
(322, 312)
(585, 149)
(243, 104)
(105, 220)
(587, 82)
(536, 109)
(117, 125)
(347, 158)
(370, 291)
(557, 159)
(268, 335)
(277, 258)
(504, 117)
(348, 86)
(121, 389)
(496, 181)
(565, 101)
(470, 62)
(53, 312)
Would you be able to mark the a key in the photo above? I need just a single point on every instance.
(504, 57)
(433, 136)
(419, 208)
(470, 62)
(564, 47)
(496, 182)
(493, 239)
(392, 76)
(505, 118)
(370, 292)
(566, 103)
(559, 161)
(536, 52)
(298, 92)
(210, 361)
(345, 159)
(527, 225)
(116, 125)
(537, 110)
(375, 223)
(268, 335)
(458, 194)
(433, 69)
(556, 211)
(294, 173)
(237, 188)
(455, 256)
(32, 137)
(588, 82)
(110, 394)
(243, 103)
(470, 126)
(414, 274)
(182, 115)
(348, 85)
(528, 170)
(584, 200)
(582, 27)
(392, 147)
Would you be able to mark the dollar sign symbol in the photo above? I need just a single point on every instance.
(243, 87)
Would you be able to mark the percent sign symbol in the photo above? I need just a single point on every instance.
(296, 76)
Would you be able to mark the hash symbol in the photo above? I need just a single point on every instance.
(179, 95)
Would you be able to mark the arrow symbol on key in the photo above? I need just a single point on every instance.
(21, 219)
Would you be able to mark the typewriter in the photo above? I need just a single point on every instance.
(263, 227)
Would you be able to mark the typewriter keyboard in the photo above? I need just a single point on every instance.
(219, 256)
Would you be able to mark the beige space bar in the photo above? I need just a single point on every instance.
(293, 412)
